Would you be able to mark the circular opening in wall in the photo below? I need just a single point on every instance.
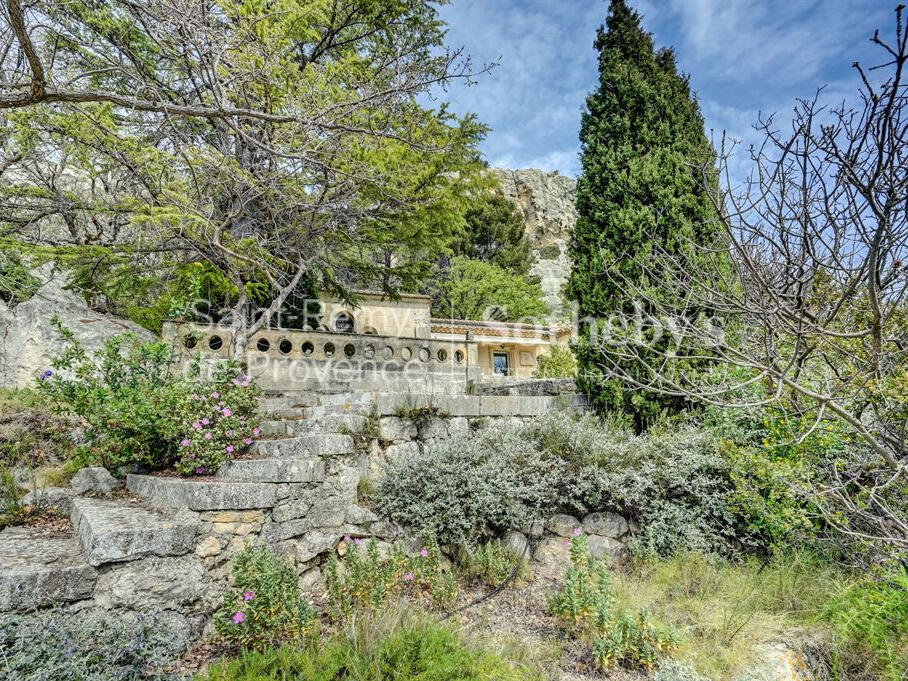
(285, 346)
(263, 345)
(329, 349)
(307, 348)
(343, 323)
(458, 356)
(406, 354)
(215, 343)
(190, 341)
(349, 349)
(369, 351)
(424, 354)
(442, 355)
(388, 352)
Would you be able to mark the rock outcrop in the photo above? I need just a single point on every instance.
(547, 203)
(28, 340)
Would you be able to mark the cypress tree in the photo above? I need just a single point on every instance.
(642, 139)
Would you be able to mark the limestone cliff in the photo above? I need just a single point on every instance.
(546, 202)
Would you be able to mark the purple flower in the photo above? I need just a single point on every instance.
(248, 595)
(226, 411)
(236, 381)
(185, 442)
(47, 373)
(229, 433)
(239, 618)
(199, 471)
(216, 395)
(221, 403)
(424, 553)
(207, 434)
(347, 538)
(197, 425)
(357, 541)
(205, 421)
(230, 449)
(408, 577)
(256, 431)
(248, 440)
(578, 531)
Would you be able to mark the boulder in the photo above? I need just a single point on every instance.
(553, 558)
(515, 541)
(29, 340)
(608, 548)
(54, 499)
(151, 584)
(562, 524)
(404, 450)
(95, 480)
(396, 429)
(605, 524)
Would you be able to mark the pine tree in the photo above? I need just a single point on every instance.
(642, 141)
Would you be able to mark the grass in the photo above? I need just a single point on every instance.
(395, 643)
(722, 611)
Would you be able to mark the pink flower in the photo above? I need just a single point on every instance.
(248, 595)
(256, 431)
(226, 411)
(197, 425)
(236, 381)
(207, 434)
(205, 421)
(347, 538)
(199, 471)
(229, 433)
(578, 531)
(408, 577)
(230, 449)
(216, 395)
(239, 618)
(221, 403)
(248, 440)
(424, 553)
(185, 443)
(357, 541)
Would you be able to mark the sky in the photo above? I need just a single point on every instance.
(742, 58)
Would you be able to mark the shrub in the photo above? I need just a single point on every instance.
(492, 563)
(558, 362)
(386, 646)
(365, 580)
(89, 645)
(265, 606)
(30, 434)
(586, 605)
(141, 411)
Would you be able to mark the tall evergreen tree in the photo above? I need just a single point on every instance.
(642, 147)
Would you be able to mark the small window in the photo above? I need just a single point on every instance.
(285, 346)
(370, 331)
(369, 351)
(349, 349)
(343, 323)
(263, 345)
(215, 343)
(388, 352)
(424, 354)
(329, 349)
(406, 354)
(307, 348)
(458, 356)
(442, 355)
(190, 341)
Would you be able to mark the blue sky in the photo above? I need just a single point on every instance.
(742, 57)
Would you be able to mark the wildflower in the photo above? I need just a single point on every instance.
(256, 431)
(248, 595)
(239, 618)
(199, 470)
(408, 577)
(197, 425)
(230, 449)
(347, 538)
(205, 421)
(229, 433)
(226, 411)
(424, 553)
(357, 541)
(185, 442)
(221, 403)
(236, 381)
(207, 434)
(216, 395)
(47, 373)
(578, 531)
(248, 440)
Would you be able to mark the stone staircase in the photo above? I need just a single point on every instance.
(276, 492)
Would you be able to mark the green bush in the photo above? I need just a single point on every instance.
(141, 411)
(558, 362)
(586, 605)
(492, 563)
(366, 580)
(385, 647)
(265, 606)
(88, 645)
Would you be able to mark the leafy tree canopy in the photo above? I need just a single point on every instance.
(494, 232)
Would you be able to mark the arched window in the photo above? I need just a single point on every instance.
(343, 323)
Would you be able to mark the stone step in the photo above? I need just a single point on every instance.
(346, 424)
(303, 446)
(115, 532)
(274, 470)
(202, 495)
(38, 572)
(320, 410)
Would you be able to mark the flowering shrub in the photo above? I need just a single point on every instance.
(140, 410)
(365, 580)
(585, 604)
(265, 606)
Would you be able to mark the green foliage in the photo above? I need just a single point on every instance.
(474, 289)
(494, 233)
(557, 362)
(30, 433)
(585, 604)
(141, 411)
(89, 645)
(11, 510)
(265, 606)
(17, 284)
(492, 563)
(366, 580)
(642, 145)
(378, 648)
